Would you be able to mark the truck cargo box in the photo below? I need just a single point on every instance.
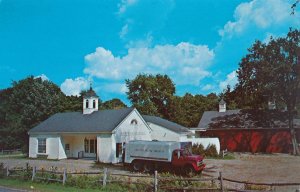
(150, 150)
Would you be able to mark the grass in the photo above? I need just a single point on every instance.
(229, 156)
(13, 156)
(51, 187)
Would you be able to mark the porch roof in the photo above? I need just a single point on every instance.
(98, 121)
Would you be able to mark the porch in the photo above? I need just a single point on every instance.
(83, 146)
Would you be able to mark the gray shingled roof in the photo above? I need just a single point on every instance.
(165, 123)
(98, 121)
(222, 102)
(90, 93)
(209, 115)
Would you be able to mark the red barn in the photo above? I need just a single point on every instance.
(248, 131)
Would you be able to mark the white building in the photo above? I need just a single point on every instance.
(91, 134)
(97, 134)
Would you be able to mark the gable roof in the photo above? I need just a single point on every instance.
(165, 123)
(98, 121)
(246, 118)
(208, 117)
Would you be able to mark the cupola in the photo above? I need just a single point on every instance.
(222, 106)
(90, 101)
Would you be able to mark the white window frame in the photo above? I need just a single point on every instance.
(42, 142)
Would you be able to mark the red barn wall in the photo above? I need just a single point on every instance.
(254, 140)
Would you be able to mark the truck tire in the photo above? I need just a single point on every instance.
(189, 170)
(149, 167)
(137, 165)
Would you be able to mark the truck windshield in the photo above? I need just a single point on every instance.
(186, 152)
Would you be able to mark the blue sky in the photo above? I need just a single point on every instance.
(72, 42)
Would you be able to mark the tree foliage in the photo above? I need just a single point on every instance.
(113, 104)
(272, 72)
(151, 94)
(23, 106)
(188, 110)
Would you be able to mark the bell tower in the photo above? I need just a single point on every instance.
(90, 101)
(222, 106)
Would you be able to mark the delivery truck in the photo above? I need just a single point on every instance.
(147, 156)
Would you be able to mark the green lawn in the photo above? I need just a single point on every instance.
(50, 187)
(229, 156)
(13, 156)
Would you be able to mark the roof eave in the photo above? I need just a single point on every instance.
(55, 132)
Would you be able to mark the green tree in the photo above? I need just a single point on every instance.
(151, 94)
(188, 110)
(113, 104)
(272, 72)
(71, 103)
(26, 104)
(231, 97)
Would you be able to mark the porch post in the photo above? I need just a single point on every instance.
(98, 149)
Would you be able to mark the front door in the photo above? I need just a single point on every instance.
(67, 150)
(90, 147)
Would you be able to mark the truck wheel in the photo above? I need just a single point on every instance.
(137, 166)
(149, 167)
(189, 170)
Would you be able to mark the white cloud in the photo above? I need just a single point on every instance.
(185, 63)
(74, 87)
(261, 13)
(231, 79)
(146, 42)
(124, 31)
(119, 88)
(123, 6)
(42, 76)
(208, 87)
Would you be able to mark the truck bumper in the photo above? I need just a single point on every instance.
(200, 168)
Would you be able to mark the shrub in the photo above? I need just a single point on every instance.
(172, 180)
(27, 172)
(83, 181)
(211, 151)
(198, 149)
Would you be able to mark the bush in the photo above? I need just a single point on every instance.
(210, 151)
(178, 182)
(198, 149)
(27, 172)
(83, 181)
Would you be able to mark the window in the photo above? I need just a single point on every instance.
(118, 149)
(86, 145)
(90, 145)
(133, 122)
(67, 147)
(42, 145)
(87, 104)
(94, 104)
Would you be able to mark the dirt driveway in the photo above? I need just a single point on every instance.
(273, 168)
(262, 168)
